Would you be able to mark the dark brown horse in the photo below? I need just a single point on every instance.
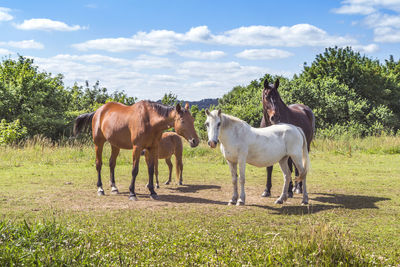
(135, 127)
(276, 111)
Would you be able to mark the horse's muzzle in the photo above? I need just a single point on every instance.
(212, 144)
(193, 142)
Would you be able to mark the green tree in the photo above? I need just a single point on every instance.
(35, 97)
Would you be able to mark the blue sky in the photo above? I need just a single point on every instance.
(194, 49)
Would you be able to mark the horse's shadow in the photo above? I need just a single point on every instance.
(193, 188)
(188, 199)
(334, 201)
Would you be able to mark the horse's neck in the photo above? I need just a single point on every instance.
(163, 122)
(229, 132)
(283, 110)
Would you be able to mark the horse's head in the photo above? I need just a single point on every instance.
(270, 100)
(213, 124)
(184, 125)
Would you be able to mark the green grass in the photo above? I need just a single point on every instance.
(50, 213)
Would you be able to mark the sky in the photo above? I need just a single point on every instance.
(191, 48)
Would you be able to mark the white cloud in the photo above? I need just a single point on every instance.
(25, 44)
(161, 42)
(386, 28)
(202, 55)
(366, 7)
(4, 14)
(355, 9)
(5, 52)
(263, 54)
(150, 77)
(371, 48)
(295, 36)
(46, 25)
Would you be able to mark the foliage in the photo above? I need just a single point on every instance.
(36, 98)
(244, 103)
(41, 102)
(349, 94)
(169, 99)
(11, 132)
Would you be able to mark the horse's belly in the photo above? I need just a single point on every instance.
(263, 159)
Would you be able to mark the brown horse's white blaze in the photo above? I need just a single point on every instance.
(275, 111)
(170, 144)
(135, 127)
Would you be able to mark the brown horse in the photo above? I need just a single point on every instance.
(276, 111)
(135, 127)
(170, 144)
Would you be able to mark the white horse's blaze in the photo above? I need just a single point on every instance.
(261, 147)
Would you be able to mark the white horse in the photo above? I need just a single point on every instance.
(261, 147)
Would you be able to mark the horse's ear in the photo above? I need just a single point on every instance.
(265, 83)
(276, 84)
(187, 106)
(219, 112)
(178, 108)
(207, 112)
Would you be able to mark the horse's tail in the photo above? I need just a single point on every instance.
(82, 122)
(305, 158)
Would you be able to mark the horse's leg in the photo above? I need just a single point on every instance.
(113, 162)
(156, 173)
(302, 175)
(169, 164)
(135, 169)
(283, 163)
(267, 191)
(99, 153)
(242, 170)
(151, 158)
(297, 185)
(179, 167)
(290, 190)
(233, 168)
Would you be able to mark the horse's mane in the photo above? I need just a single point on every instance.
(161, 109)
(228, 120)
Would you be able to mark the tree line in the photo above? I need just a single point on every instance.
(349, 93)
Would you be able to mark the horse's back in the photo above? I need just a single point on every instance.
(269, 145)
(112, 122)
(303, 117)
(170, 144)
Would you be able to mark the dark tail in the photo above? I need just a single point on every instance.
(82, 122)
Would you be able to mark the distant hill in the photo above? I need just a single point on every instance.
(202, 104)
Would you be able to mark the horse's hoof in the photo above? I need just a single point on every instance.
(303, 203)
(231, 203)
(114, 191)
(100, 193)
(167, 182)
(157, 186)
(279, 201)
(290, 194)
(266, 194)
(154, 196)
(133, 198)
(240, 203)
(180, 183)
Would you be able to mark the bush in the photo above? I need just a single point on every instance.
(11, 132)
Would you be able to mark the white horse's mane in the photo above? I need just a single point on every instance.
(228, 120)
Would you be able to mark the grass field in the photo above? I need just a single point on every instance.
(51, 214)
